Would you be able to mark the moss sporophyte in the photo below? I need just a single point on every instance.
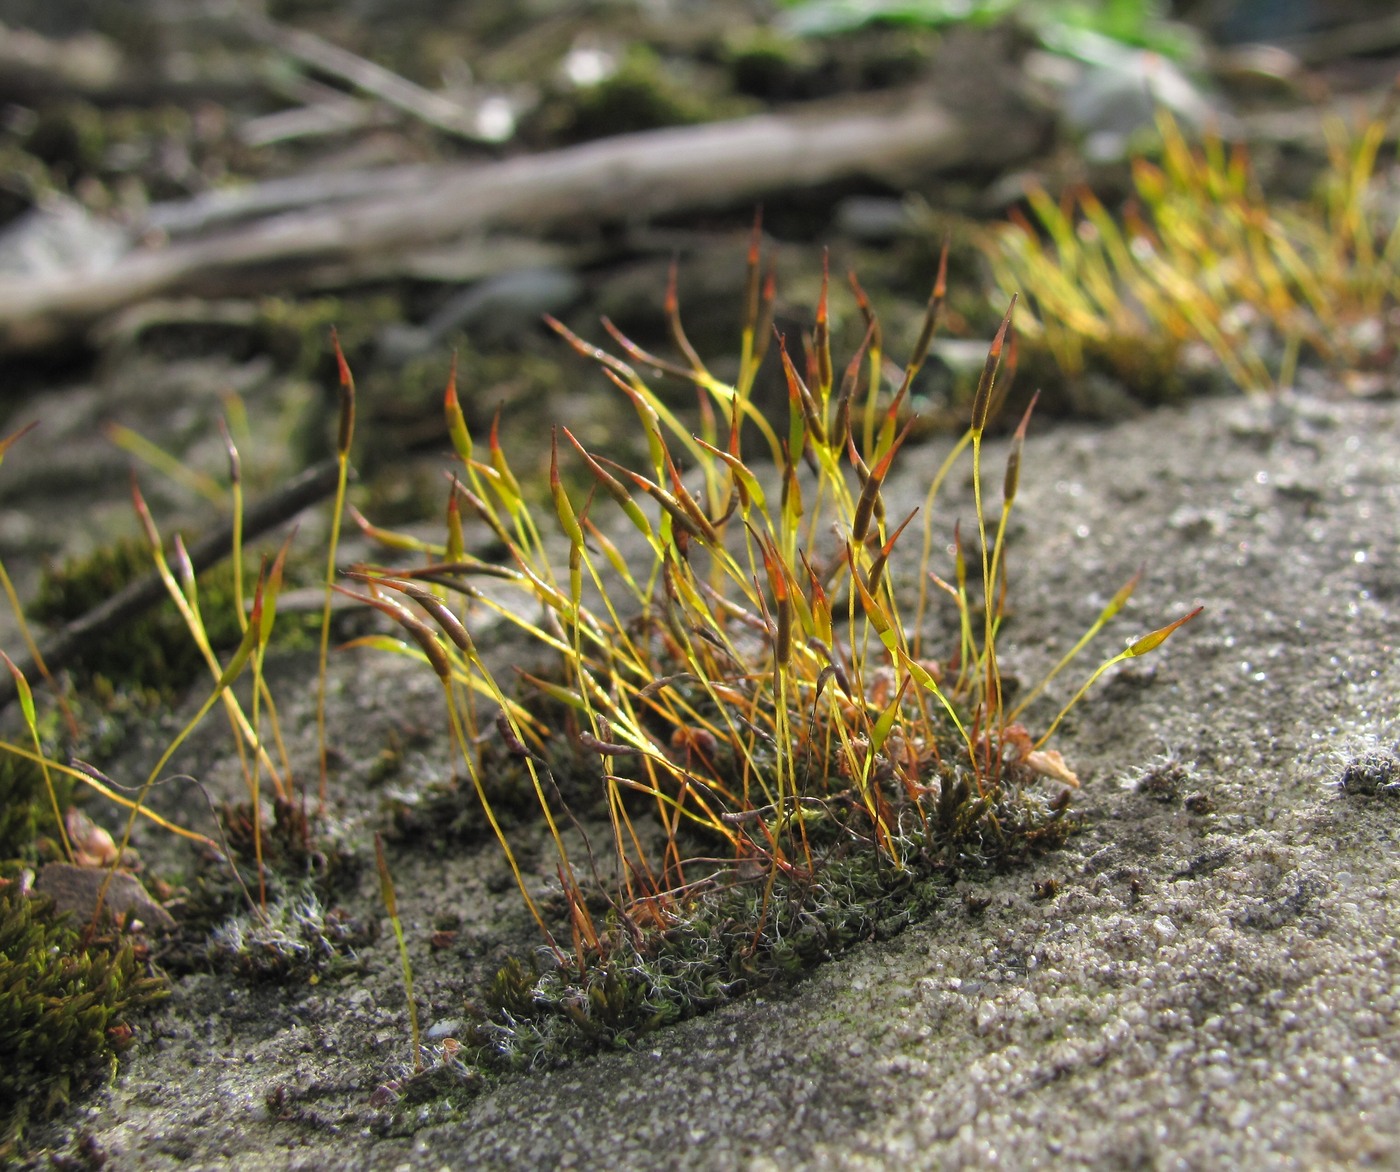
(1202, 256)
(765, 757)
(779, 752)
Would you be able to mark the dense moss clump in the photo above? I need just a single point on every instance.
(63, 1009)
(820, 768)
(742, 936)
(295, 939)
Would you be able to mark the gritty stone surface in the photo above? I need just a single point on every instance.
(1213, 983)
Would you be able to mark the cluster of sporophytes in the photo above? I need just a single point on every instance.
(64, 994)
(236, 619)
(733, 666)
(734, 671)
(67, 988)
(1202, 256)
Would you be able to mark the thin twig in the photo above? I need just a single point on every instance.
(366, 76)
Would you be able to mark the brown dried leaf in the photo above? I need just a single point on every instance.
(1049, 763)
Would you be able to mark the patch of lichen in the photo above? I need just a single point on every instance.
(151, 655)
(64, 1009)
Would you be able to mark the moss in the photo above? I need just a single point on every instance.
(103, 153)
(64, 1006)
(765, 64)
(644, 94)
(1164, 779)
(294, 330)
(401, 410)
(152, 654)
(296, 939)
(305, 858)
(444, 814)
(1116, 377)
(845, 780)
(753, 934)
(148, 659)
(1372, 774)
(27, 180)
(26, 809)
(21, 787)
(68, 138)
(1201, 265)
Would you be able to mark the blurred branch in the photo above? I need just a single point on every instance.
(1346, 40)
(94, 68)
(338, 115)
(896, 138)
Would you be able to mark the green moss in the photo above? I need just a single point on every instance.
(63, 1010)
(295, 330)
(21, 786)
(743, 936)
(27, 181)
(845, 787)
(26, 810)
(152, 654)
(296, 939)
(401, 410)
(644, 94)
(96, 152)
(68, 137)
(145, 661)
(765, 64)
(1202, 262)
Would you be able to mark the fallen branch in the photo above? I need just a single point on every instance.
(894, 138)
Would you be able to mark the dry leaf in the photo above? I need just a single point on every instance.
(1049, 763)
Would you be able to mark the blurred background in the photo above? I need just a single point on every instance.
(192, 194)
